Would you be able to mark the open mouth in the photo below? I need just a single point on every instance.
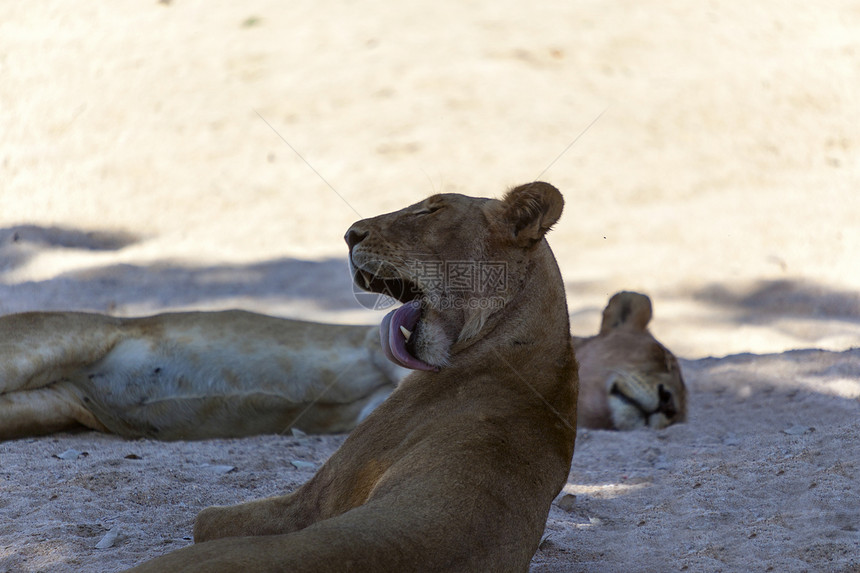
(397, 327)
(403, 290)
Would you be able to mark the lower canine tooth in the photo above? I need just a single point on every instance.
(406, 333)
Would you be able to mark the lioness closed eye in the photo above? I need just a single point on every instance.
(457, 469)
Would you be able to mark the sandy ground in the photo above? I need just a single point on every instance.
(191, 155)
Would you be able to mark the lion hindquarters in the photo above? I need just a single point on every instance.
(371, 537)
(40, 354)
(269, 516)
(44, 410)
(350, 542)
(40, 348)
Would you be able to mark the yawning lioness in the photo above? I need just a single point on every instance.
(456, 471)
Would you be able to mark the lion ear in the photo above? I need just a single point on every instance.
(530, 210)
(626, 308)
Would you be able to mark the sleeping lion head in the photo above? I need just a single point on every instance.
(627, 378)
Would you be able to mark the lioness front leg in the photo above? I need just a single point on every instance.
(270, 516)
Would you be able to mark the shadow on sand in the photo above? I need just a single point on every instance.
(326, 283)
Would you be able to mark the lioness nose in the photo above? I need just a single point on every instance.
(354, 236)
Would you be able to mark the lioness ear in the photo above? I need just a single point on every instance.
(531, 210)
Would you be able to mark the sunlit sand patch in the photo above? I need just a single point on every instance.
(604, 491)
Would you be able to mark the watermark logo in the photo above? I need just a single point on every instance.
(444, 285)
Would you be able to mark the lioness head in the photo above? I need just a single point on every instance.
(628, 379)
(454, 261)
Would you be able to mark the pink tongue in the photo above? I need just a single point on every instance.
(393, 342)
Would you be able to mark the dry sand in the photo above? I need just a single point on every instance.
(149, 160)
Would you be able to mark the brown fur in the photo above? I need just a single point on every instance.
(456, 471)
(187, 375)
(627, 378)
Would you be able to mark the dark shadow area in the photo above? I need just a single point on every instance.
(325, 283)
(789, 393)
(765, 301)
(785, 369)
(35, 235)
(20, 242)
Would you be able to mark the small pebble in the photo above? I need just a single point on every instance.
(219, 469)
(797, 430)
(108, 540)
(70, 455)
(567, 502)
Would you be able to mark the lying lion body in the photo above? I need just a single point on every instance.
(628, 379)
(187, 375)
(198, 375)
(457, 469)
